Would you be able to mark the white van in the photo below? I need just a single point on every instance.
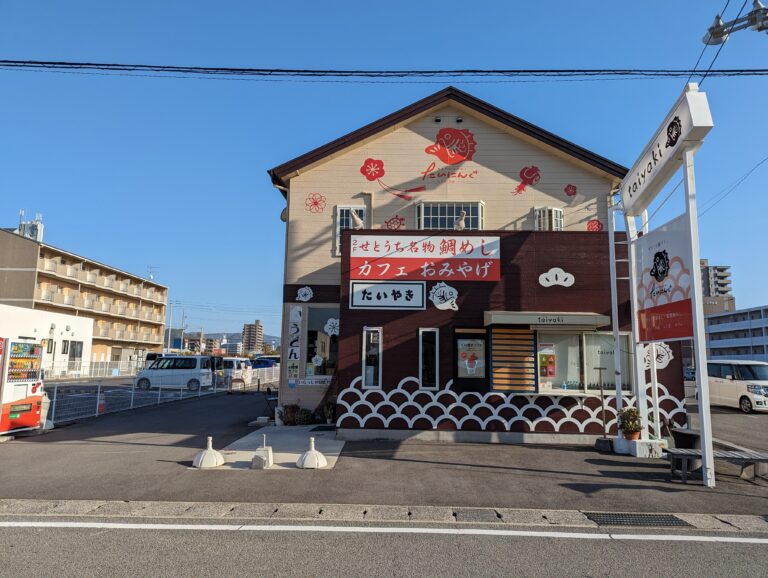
(190, 371)
(742, 384)
(237, 370)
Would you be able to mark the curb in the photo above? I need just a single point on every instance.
(362, 513)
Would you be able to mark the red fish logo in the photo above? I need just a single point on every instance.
(528, 176)
(453, 146)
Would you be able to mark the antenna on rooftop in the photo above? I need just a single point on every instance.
(151, 270)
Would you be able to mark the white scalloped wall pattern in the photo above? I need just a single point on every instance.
(407, 407)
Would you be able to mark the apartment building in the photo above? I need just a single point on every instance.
(715, 279)
(253, 337)
(740, 334)
(128, 311)
(447, 268)
(234, 349)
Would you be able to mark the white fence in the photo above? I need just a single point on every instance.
(69, 403)
(74, 369)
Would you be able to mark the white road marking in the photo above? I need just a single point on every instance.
(387, 530)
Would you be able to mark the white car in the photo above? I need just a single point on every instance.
(190, 371)
(742, 384)
(237, 370)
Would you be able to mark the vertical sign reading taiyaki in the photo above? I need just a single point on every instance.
(664, 282)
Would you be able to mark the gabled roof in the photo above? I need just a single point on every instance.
(449, 94)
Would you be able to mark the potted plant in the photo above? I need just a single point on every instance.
(289, 414)
(629, 422)
(329, 410)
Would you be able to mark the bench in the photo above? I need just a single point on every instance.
(747, 459)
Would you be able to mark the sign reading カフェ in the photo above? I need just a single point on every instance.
(684, 128)
(425, 258)
(387, 294)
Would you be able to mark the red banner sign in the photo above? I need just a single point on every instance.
(425, 258)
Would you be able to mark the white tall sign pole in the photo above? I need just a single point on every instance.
(699, 343)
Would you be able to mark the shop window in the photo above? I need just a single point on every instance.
(437, 216)
(548, 219)
(344, 221)
(599, 351)
(570, 362)
(322, 345)
(372, 338)
(429, 358)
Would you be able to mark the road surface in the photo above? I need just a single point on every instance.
(343, 549)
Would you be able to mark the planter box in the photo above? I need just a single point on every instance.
(639, 448)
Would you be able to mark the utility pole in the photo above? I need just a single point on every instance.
(170, 326)
(183, 318)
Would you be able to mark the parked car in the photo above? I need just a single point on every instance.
(190, 371)
(237, 370)
(689, 374)
(153, 356)
(275, 358)
(262, 362)
(741, 384)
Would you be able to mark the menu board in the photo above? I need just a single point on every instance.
(471, 358)
(24, 362)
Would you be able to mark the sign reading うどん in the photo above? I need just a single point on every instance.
(683, 128)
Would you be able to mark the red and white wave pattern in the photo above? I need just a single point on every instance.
(408, 407)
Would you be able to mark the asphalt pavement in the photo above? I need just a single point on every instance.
(734, 426)
(354, 550)
(145, 455)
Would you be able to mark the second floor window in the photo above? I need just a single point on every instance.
(344, 221)
(548, 219)
(439, 215)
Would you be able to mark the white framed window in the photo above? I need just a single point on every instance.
(568, 362)
(442, 215)
(344, 221)
(429, 358)
(372, 349)
(548, 219)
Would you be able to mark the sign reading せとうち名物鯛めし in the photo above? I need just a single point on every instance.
(425, 258)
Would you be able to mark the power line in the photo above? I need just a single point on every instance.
(733, 187)
(695, 66)
(703, 78)
(294, 73)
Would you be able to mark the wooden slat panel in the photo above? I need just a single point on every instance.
(513, 366)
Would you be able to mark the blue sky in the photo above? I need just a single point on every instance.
(171, 172)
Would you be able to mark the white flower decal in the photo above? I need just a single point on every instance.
(331, 327)
(663, 356)
(556, 276)
(444, 296)
(317, 361)
(304, 294)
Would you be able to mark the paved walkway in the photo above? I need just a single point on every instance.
(144, 455)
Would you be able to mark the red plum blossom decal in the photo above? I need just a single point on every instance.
(373, 170)
(570, 190)
(595, 226)
(315, 203)
(453, 146)
(395, 223)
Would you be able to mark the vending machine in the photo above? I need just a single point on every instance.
(21, 385)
